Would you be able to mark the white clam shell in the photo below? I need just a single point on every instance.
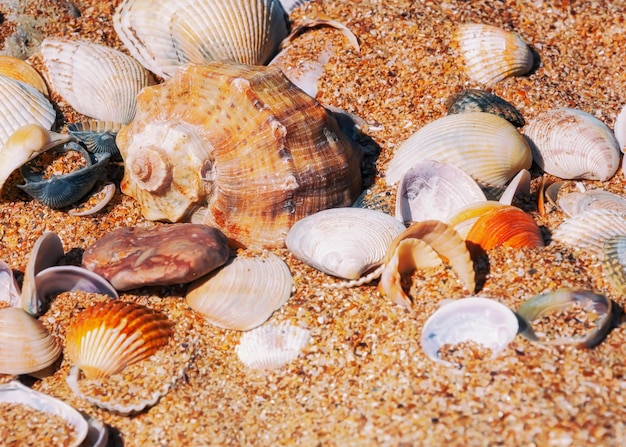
(620, 128)
(244, 293)
(272, 345)
(97, 81)
(9, 289)
(482, 320)
(433, 190)
(572, 144)
(491, 53)
(69, 278)
(485, 146)
(165, 35)
(576, 202)
(588, 230)
(343, 242)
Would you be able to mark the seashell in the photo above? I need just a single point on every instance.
(620, 129)
(614, 262)
(9, 290)
(491, 53)
(421, 246)
(505, 226)
(111, 335)
(88, 208)
(244, 293)
(272, 345)
(572, 144)
(165, 35)
(473, 100)
(69, 278)
(97, 136)
(482, 320)
(22, 104)
(577, 202)
(27, 347)
(487, 147)
(433, 190)
(95, 80)
(464, 218)
(519, 185)
(597, 307)
(16, 393)
(23, 145)
(59, 191)
(587, 231)
(22, 71)
(343, 242)
(259, 153)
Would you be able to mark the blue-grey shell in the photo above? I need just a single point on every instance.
(474, 100)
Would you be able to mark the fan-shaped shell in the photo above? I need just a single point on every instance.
(614, 262)
(572, 144)
(576, 202)
(272, 345)
(22, 71)
(252, 153)
(244, 293)
(482, 320)
(588, 230)
(474, 100)
(464, 218)
(97, 136)
(95, 80)
(27, 346)
(343, 242)
(487, 147)
(491, 53)
(433, 190)
(167, 34)
(107, 337)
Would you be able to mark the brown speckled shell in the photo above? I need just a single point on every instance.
(241, 147)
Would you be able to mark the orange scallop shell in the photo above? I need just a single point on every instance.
(111, 335)
(22, 71)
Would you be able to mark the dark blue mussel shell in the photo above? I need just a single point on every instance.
(97, 136)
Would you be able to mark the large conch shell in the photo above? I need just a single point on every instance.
(241, 146)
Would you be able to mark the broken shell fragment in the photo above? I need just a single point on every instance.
(244, 293)
(473, 100)
(272, 345)
(103, 197)
(577, 202)
(614, 262)
(482, 320)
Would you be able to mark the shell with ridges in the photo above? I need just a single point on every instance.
(95, 80)
(576, 202)
(572, 144)
(244, 293)
(474, 100)
(272, 345)
(343, 242)
(165, 35)
(259, 154)
(22, 71)
(107, 337)
(97, 136)
(614, 262)
(491, 53)
(487, 147)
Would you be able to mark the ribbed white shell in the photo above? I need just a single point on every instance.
(485, 146)
(576, 202)
(97, 81)
(572, 144)
(491, 53)
(165, 35)
(272, 346)
(343, 242)
(244, 293)
(588, 230)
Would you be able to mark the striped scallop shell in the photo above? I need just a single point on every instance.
(343, 242)
(491, 53)
(272, 345)
(588, 230)
(107, 337)
(27, 346)
(614, 262)
(572, 144)
(22, 71)
(244, 293)
(487, 147)
(97, 81)
(165, 35)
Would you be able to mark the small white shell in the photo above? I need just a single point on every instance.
(487, 147)
(519, 185)
(620, 128)
(572, 144)
(9, 289)
(343, 242)
(491, 53)
(271, 346)
(433, 190)
(244, 293)
(477, 319)
(576, 202)
(95, 80)
(588, 230)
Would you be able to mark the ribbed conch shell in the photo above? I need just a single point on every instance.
(343, 242)
(487, 147)
(491, 53)
(572, 144)
(244, 293)
(423, 245)
(239, 145)
(27, 347)
(272, 345)
(107, 337)
(22, 71)
(614, 262)
(167, 34)
(95, 80)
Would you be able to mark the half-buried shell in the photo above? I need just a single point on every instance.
(272, 345)
(473, 100)
(614, 262)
